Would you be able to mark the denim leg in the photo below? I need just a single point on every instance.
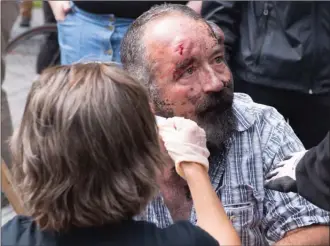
(85, 36)
(69, 38)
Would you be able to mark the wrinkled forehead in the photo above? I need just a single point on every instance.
(179, 34)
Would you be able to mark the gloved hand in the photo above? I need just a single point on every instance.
(184, 141)
(283, 177)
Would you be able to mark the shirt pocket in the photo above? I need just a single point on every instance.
(241, 203)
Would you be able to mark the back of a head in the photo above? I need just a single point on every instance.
(86, 152)
(132, 48)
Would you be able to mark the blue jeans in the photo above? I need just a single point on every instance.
(85, 36)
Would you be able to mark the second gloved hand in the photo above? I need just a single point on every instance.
(184, 141)
(283, 177)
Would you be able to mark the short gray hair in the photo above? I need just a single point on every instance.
(133, 52)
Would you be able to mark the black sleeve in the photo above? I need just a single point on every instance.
(313, 174)
(184, 234)
(226, 14)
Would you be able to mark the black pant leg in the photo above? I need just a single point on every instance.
(50, 47)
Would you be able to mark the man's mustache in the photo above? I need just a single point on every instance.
(216, 101)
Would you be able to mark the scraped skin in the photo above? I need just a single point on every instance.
(188, 62)
(191, 79)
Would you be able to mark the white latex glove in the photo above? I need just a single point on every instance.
(60, 9)
(184, 141)
(283, 177)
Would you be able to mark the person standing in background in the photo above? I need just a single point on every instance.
(50, 46)
(279, 53)
(94, 29)
(9, 13)
(26, 12)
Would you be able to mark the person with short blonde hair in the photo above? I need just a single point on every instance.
(87, 158)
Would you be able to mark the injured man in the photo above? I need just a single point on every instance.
(180, 58)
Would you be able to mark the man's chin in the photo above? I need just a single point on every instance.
(218, 126)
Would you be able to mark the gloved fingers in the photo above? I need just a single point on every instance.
(272, 174)
(167, 132)
(288, 157)
(281, 164)
(160, 120)
(187, 152)
(295, 155)
(187, 127)
(283, 184)
(181, 123)
(186, 131)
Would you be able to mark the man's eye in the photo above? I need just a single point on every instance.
(218, 59)
(190, 70)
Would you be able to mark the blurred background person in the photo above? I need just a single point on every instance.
(279, 52)
(50, 46)
(94, 29)
(9, 13)
(26, 12)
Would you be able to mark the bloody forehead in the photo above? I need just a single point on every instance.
(210, 38)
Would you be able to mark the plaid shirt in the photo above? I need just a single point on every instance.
(262, 138)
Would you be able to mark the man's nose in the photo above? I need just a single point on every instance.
(210, 82)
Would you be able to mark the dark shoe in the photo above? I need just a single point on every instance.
(25, 22)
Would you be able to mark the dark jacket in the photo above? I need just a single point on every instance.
(122, 9)
(278, 44)
(313, 174)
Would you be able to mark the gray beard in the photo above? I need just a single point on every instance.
(218, 128)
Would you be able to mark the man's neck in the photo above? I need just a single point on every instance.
(176, 197)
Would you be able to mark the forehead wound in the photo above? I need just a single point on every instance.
(181, 46)
(184, 43)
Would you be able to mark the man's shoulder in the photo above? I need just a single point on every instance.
(250, 113)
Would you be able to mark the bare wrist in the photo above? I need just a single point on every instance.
(192, 169)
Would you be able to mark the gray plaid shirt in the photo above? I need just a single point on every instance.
(262, 139)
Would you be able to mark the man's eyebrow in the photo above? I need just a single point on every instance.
(185, 63)
(217, 50)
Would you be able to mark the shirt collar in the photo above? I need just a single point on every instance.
(243, 111)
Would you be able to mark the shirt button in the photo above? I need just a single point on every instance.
(109, 52)
(310, 91)
(111, 28)
(265, 11)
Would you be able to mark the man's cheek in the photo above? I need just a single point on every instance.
(228, 77)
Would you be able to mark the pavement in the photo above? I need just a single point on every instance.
(20, 72)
